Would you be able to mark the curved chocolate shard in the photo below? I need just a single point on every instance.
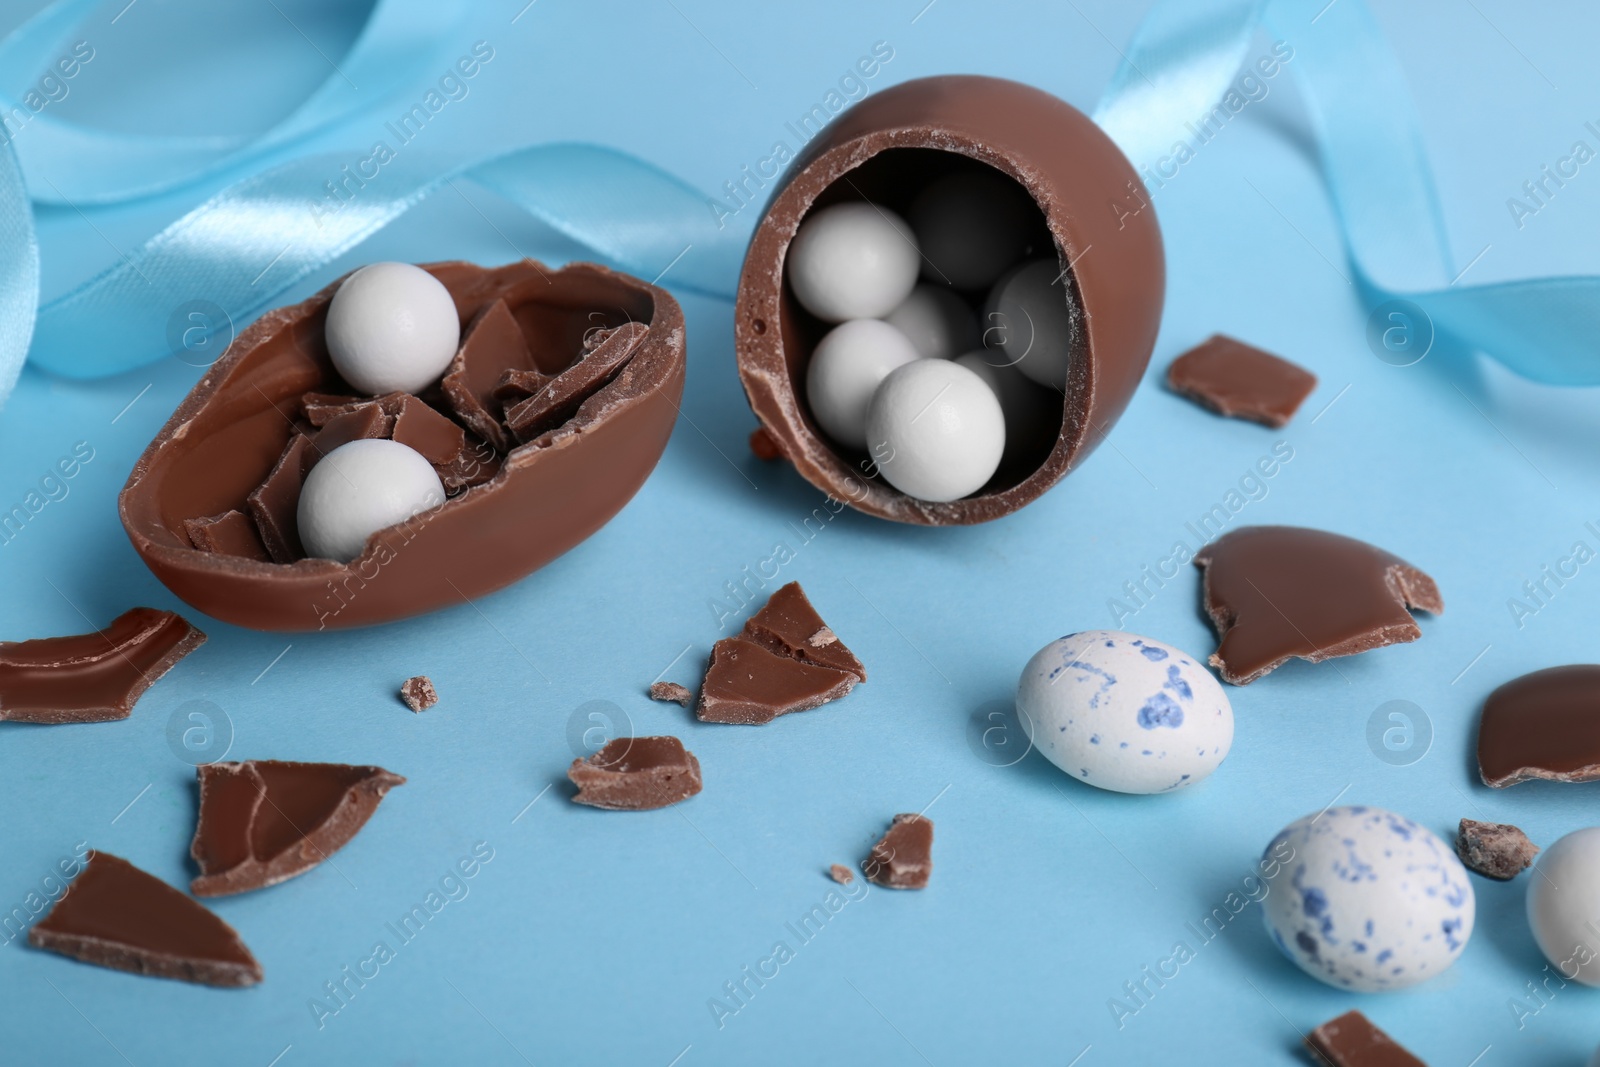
(1094, 210)
(1352, 1040)
(750, 685)
(1278, 592)
(115, 915)
(1241, 381)
(1542, 725)
(264, 821)
(92, 677)
(543, 498)
(903, 857)
(788, 625)
(232, 533)
(636, 774)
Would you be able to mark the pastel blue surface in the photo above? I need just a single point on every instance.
(600, 937)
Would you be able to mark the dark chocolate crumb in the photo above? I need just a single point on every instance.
(1494, 849)
(671, 691)
(418, 693)
(764, 447)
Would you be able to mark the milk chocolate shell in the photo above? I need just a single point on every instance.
(886, 149)
(548, 494)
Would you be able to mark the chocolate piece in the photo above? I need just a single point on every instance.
(788, 625)
(671, 691)
(886, 149)
(1542, 725)
(418, 693)
(517, 385)
(636, 774)
(841, 874)
(492, 345)
(1241, 381)
(275, 503)
(361, 423)
(264, 821)
(92, 677)
(763, 446)
(1495, 850)
(559, 401)
(902, 858)
(749, 684)
(1274, 592)
(318, 408)
(459, 462)
(1352, 1040)
(233, 533)
(545, 497)
(115, 915)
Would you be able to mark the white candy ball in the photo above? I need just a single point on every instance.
(1564, 905)
(360, 488)
(852, 261)
(846, 368)
(937, 321)
(935, 430)
(392, 327)
(1027, 406)
(971, 226)
(1027, 319)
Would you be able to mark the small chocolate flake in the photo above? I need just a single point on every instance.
(1351, 1040)
(841, 874)
(673, 692)
(636, 774)
(418, 693)
(903, 857)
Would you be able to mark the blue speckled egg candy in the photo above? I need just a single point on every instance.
(1124, 712)
(1365, 899)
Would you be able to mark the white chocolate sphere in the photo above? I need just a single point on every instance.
(358, 489)
(846, 368)
(852, 261)
(937, 321)
(1028, 320)
(935, 430)
(1564, 905)
(392, 327)
(971, 226)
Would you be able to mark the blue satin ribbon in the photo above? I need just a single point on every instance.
(247, 245)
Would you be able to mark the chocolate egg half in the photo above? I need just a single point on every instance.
(1095, 218)
(547, 495)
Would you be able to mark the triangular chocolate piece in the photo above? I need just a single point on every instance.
(117, 916)
(560, 399)
(231, 533)
(264, 821)
(636, 774)
(788, 625)
(903, 857)
(492, 344)
(747, 683)
(275, 503)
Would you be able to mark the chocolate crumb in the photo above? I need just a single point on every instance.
(822, 637)
(763, 446)
(1494, 849)
(636, 774)
(419, 693)
(1352, 1040)
(1241, 381)
(841, 874)
(902, 858)
(673, 692)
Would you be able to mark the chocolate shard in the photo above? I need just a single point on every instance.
(418, 693)
(1494, 849)
(92, 677)
(671, 691)
(233, 533)
(459, 461)
(492, 343)
(788, 625)
(636, 774)
(115, 915)
(1276, 592)
(275, 503)
(841, 874)
(1241, 381)
(264, 821)
(903, 857)
(360, 423)
(517, 384)
(1352, 1040)
(749, 684)
(1542, 725)
(560, 399)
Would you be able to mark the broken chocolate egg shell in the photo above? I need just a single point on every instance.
(1094, 216)
(547, 496)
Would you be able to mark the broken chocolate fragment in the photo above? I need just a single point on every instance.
(275, 503)
(671, 691)
(233, 533)
(636, 774)
(492, 344)
(1241, 381)
(1542, 725)
(92, 677)
(841, 874)
(515, 385)
(459, 461)
(749, 684)
(560, 399)
(1494, 849)
(902, 858)
(361, 423)
(264, 821)
(418, 693)
(1276, 592)
(763, 446)
(788, 625)
(1352, 1040)
(115, 915)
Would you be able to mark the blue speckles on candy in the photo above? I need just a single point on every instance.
(1160, 710)
(1386, 955)
(1314, 902)
(1094, 739)
(1176, 683)
(1451, 927)
(1123, 745)
(1307, 943)
(1149, 652)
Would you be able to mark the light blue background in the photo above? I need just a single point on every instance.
(596, 937)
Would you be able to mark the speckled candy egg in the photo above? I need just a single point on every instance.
(1365, 899)
(1124, 712)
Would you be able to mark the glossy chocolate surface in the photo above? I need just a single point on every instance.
(1241, 381)
(903, 857)
(636, 774)
(1542, 725)
(1352, 1040)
